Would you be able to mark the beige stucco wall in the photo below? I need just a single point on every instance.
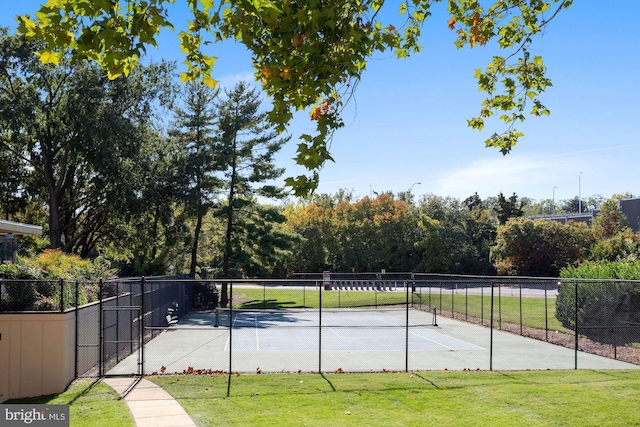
(37, 353)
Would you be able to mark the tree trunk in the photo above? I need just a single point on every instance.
(224, 297)
(194, 247)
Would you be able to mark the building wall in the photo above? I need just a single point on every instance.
(8, 249)
(631, 209)
(37, 354)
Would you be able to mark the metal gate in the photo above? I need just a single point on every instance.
(120, 337)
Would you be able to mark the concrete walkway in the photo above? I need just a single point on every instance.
(149, 404)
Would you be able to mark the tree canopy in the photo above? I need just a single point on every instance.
(309, 55)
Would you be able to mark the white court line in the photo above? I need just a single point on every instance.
(255, 319)
(433, 341)
(334, 332)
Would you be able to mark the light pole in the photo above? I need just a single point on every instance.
(409, 192)
(580, 194)
(553, 202)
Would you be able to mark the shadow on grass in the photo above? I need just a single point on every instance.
(42, 400)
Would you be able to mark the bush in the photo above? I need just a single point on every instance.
(35, 283)
(607, 310)
(205, 296)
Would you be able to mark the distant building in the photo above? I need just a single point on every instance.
(629, 207)
(9, 232)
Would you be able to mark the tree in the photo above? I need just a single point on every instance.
(310, 55)
(155, 232)
(508, 208)
(610, 220)
(571, 205)
(481, 232)
(79, 135)
(193, 130)
(247, 145)
(527, 247)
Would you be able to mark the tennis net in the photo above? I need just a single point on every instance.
(326, 317)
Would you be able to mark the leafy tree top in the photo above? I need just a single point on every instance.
(309, 54)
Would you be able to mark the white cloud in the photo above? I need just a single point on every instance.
(491, 176)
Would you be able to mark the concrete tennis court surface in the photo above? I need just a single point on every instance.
(351, 342)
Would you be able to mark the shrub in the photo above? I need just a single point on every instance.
(607, 309)
(35, 283)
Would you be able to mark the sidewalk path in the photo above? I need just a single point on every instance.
(149, 404)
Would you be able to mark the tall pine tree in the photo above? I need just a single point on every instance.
(194, 129)
(248, 143)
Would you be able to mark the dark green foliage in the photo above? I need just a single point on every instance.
(508, 208)
(608, 310)
(205, 296)
(78, 137)
(527, 247)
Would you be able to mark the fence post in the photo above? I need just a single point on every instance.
(230, 302)
(142, 322)
(482, 304)
(576, 323)
(77, 328)
(453, 298)
(466, 301)
(61, 295)
(520, 291)
(491, 332)
(320, 329)
(406, 331)
(500, 307)
(546, 315)
(100, 331)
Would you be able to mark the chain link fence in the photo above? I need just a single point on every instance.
(340, 323)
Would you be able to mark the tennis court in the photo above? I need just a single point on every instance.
(344, 340)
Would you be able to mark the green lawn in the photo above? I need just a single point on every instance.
(444, 398)
(541, 398)
(91, 404)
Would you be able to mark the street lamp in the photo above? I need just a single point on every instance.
(580, 194)
(553, 202)
(411, 188)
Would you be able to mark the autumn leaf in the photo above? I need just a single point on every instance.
(451, 23)
(297, 40)
(265, 72)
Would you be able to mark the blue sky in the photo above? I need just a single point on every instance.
(407, 123)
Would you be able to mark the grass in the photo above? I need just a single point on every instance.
(539, 398)
(471, 398)
(91, 404)
(506, 308)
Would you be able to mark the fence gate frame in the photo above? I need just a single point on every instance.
(136, 344)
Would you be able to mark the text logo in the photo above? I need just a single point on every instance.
(34, 415)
